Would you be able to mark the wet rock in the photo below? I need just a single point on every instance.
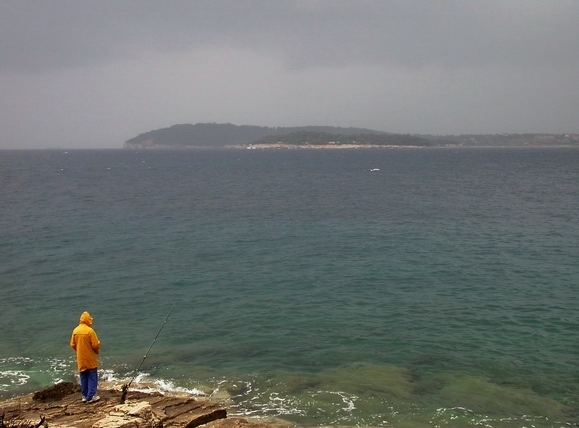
(56, 392)
(61, 406)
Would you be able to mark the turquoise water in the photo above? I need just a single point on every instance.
(440, 290)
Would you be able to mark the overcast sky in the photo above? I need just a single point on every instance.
(92, 74)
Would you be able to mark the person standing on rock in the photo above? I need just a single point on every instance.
(86, 344)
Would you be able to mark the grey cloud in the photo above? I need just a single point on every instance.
(60, 34)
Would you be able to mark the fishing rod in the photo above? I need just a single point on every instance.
(125, 387)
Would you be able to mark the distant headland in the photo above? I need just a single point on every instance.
(229, 136)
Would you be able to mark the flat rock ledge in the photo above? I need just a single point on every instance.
(60, 406)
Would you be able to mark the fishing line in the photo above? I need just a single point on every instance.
(125, 387)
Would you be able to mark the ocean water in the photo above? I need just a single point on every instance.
(439, 290)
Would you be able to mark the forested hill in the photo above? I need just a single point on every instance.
(327, 139)
(213, 135)
(227, 134)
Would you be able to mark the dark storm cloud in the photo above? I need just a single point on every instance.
(58, 34)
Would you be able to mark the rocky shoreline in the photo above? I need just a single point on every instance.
(60, 406)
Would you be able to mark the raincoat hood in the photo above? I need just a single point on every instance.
(85, 318)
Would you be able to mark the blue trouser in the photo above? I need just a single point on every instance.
(88, 383)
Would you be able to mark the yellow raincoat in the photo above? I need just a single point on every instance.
(86, 343)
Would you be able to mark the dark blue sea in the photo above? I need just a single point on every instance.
(394, 287)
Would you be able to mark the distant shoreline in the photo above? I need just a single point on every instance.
(331, 147)
(227, 135)
(275, 147)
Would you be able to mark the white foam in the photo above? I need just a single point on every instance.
(19, 371)
(143, 382)
(349, 401)
(11, 378)
(15, 360)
